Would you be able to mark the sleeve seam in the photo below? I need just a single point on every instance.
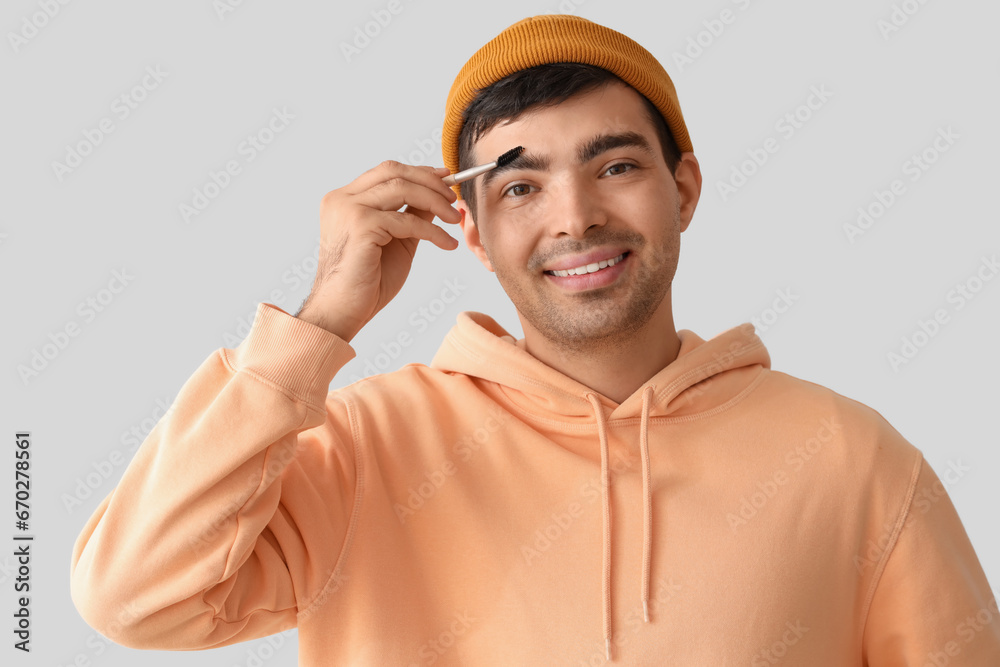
(334, 580)
(893, 539)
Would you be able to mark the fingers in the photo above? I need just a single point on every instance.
(429, 177)
(414, 223)
(371, 204)
(396, 192)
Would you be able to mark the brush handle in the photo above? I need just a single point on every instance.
(472, 172)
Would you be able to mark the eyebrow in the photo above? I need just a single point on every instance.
(526, 160)
(586, 152)
(606, 142)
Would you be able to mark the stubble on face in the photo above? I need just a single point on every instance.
(599, 320)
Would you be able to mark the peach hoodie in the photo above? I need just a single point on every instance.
(488, 510)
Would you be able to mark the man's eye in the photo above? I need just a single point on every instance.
(619, 168)
(518, 190)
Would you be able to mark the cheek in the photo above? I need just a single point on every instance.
(490, 243)
(648, 206)
(506, 250)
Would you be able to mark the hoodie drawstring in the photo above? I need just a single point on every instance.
(647, 510)
(602, 433)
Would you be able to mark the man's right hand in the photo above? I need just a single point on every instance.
(367, 244)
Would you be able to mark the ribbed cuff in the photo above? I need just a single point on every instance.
(292, 353)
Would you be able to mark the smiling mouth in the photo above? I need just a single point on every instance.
(588, 268)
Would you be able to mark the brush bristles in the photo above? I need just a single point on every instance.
(509, 156)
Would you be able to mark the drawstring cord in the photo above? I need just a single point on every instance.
(647, 508)
(647, 511)
(602, 432)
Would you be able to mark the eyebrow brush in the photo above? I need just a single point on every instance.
(472, 172)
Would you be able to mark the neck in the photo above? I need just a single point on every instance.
(616, 367)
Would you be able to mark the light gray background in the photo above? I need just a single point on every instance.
(196, 284)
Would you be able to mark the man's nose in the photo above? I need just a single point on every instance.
(574, 207)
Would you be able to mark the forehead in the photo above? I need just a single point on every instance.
(613, 108)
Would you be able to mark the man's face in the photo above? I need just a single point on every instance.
(590, 190)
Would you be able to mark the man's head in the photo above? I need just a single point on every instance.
(606, 182)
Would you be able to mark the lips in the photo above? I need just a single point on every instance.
(607, 271)
(586, 259)
(591, 267)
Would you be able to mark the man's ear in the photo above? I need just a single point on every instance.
(688, 180)
(471, 232)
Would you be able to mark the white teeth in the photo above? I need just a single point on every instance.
(589, 268)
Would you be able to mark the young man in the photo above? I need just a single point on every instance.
(606, 488)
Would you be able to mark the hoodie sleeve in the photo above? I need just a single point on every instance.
(233, 512)
(932, 604)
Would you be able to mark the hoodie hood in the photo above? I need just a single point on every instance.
(479, 347)
(706, 375)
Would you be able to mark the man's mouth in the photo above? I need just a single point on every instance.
(588, 268)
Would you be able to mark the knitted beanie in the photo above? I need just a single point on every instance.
(555, 38)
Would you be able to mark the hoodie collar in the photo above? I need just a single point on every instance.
(478, 346)
(705, 375)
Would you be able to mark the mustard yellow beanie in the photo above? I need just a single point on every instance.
(559, 38)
